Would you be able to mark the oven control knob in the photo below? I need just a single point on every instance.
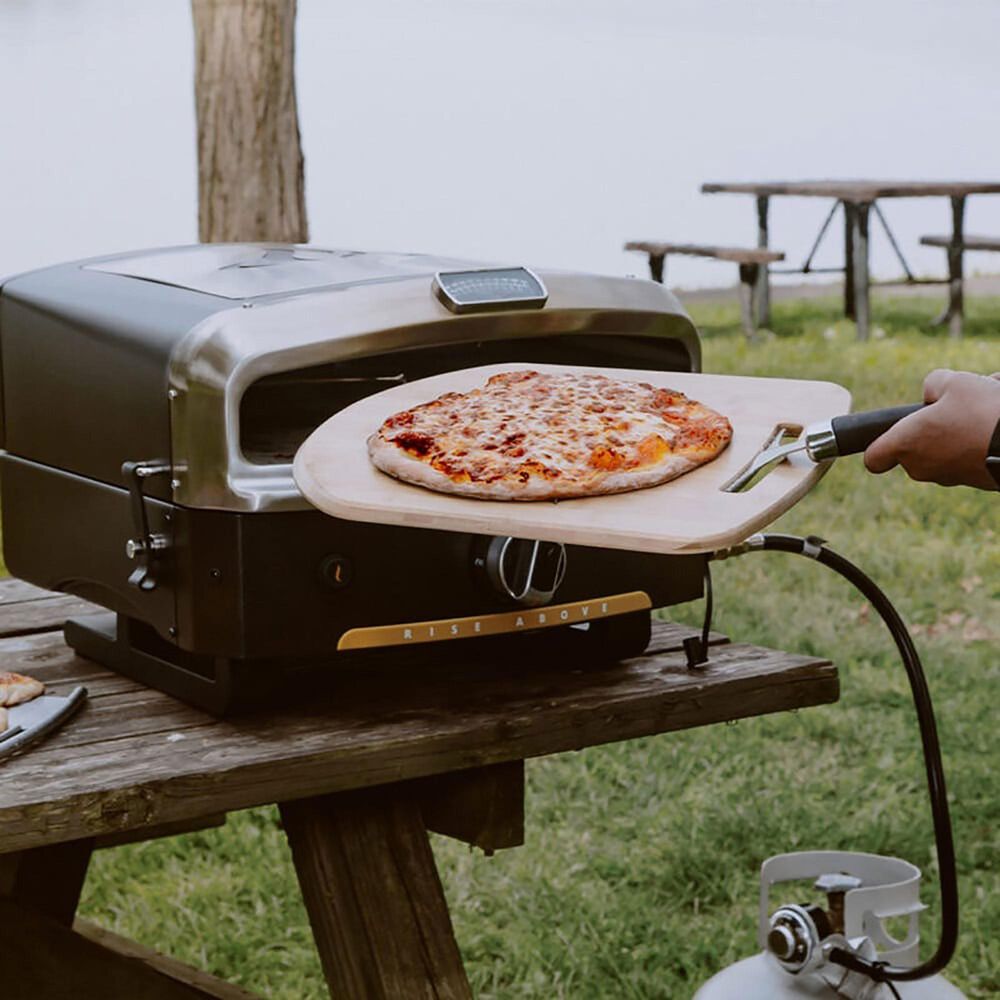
(526, 571)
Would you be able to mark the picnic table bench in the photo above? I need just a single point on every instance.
(360, 775)
(957, 247)
(859, 199)
(749, 259)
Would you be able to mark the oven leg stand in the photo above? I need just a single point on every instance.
(763, 275)
(374, 897)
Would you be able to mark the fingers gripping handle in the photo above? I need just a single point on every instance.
(855, 431)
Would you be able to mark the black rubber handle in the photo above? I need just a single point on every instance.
(855, 431)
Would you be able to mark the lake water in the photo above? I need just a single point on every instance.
(536, 131)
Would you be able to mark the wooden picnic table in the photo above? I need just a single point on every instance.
(360, 775)
(858, 199)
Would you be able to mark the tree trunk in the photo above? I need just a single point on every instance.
(250, 166)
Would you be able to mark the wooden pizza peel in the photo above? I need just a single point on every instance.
(693, 513)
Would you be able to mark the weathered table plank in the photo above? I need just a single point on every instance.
(444, 744)
(855, 190)
(371, 732)
(987, 243)
(37, 615)
(163, 965)
(56, 963)
(135, 758)
(738, 255)
(13, 591)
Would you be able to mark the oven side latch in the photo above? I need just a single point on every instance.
(145, 547)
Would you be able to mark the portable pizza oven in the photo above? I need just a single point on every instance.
(152, 406)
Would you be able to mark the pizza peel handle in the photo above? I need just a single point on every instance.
(849, 434)
(692, 513)
(856, 431)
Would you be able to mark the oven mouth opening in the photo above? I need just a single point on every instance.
(278, 412)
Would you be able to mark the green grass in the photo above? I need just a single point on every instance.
(639, 876)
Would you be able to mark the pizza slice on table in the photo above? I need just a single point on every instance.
(16, 689)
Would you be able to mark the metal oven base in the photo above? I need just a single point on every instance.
(225, 685)
(217, 684)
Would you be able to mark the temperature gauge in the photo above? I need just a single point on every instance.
(490, 288)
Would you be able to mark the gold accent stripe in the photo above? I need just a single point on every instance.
(527, 619)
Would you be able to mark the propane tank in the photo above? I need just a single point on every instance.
(863, 891)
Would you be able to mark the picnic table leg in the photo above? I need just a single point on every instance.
(849, 215)
(374, 897)
(56, 957)
(862, 302)
(656, 265)
(956, 295)
(749, 277)
(763, 275)
(48, 880)
(953, 312)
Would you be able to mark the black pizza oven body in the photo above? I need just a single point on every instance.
(200, 370)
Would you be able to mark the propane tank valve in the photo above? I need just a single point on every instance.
(796, 937)
(783, 943)
(798, 940)
(797, 932)
(836, 885)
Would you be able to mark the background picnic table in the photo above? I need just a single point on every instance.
(858, 199)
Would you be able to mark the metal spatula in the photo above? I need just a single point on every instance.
(38, 717)
(846, 435)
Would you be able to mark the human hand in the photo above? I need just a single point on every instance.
(947, 441)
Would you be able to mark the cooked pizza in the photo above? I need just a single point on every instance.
(4, 720)
(16, 688)
(529, 435)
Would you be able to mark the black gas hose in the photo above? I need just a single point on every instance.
(816, 549)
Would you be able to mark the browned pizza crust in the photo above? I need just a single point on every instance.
(16, 688)
(3, 720)
(533, 436)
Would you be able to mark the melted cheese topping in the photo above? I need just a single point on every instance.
(570, 431)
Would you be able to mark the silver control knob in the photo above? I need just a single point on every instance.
(135, 546)
(526, 571)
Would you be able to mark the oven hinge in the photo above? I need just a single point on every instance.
(146, 546)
